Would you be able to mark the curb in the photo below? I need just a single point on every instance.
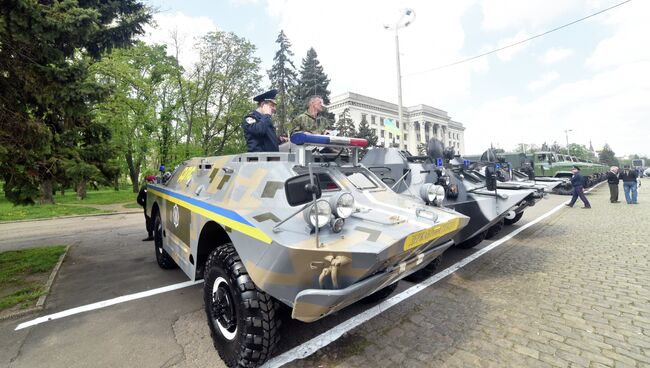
(41, 300)
(73, 216)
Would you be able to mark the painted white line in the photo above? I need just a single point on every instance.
(106, 303)
(309, 347)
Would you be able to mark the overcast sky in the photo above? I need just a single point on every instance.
(592, 77)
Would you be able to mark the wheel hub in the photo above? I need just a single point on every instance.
(223, 309)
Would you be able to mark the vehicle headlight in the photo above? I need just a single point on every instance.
(342, 204)
(322, 210)
(432, 193)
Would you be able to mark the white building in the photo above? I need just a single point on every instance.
(421, 122)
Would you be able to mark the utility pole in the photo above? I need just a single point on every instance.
(566, 133)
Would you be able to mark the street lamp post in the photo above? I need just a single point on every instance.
(566, 133)
(406, 17)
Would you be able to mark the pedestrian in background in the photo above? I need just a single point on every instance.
(578, 182)
(629, 176)
(612, 180)
(142, 201)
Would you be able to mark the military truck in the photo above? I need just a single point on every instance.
(445, 180)
(300, 227)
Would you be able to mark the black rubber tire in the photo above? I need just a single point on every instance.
(381, 294)
(494, 230)
(425, 272)
(250, 319)
(514, 219)
(473, 241)
(165, 261)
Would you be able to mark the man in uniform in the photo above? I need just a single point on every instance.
(309, 121)
(257, 125)
(142, 201)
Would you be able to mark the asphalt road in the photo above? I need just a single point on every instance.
(108, 259)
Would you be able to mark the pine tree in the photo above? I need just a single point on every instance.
(607, 156)
(284, 77)
(367, 133)
(345, 125)
(313, 81)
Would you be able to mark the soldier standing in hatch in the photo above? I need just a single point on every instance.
(142, 201)
(258, 128)
(309, 121)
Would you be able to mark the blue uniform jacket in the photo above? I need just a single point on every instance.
(577, 180)
(260, 133)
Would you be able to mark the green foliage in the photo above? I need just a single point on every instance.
(137, 77)
(47, 48)
(367, 133)
(215, 95)
(607, 156)
(345, 125)
(579, 151)
(313, 81)
(284, 77)
(17, 270)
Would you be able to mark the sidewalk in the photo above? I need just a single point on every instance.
(573, 290)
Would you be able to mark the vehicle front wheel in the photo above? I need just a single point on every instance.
(494, 230)
(243, 319)
(473, 241)
(515, 218)
(165, 261)
(425, 272)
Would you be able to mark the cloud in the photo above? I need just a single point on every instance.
(508, 14)
(186, 29)
(543, 81)
(509, 53)
(609, 107)
(630, 40)
(359, 54)
(555, 54)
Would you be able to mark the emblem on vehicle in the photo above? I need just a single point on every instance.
(175, 216)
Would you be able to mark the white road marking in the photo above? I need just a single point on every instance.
(106, 303)
(309, 347)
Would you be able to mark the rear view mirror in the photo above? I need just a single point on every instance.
(299, 189)
(490, 178)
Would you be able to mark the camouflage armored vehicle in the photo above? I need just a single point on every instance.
(444, 180)
(298, 228)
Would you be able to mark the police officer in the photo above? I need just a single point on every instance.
(258, 127)
(142, 201)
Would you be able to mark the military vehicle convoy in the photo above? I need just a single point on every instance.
(551, 167)
(300, 227)
(444, 180)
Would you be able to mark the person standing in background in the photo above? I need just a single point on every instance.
(612, 181)
(629, 176)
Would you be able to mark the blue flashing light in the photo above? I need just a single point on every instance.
(439, 162)
(162, 168)
(498, 166)
(466, 163)
(302, 138)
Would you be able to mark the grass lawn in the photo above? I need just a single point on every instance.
(66, 205)
(23, 274)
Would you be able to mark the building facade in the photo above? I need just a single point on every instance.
(421, 122)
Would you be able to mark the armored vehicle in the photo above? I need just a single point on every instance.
(444, 180)
(299, 228)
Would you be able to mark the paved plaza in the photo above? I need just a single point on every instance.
(571, 291)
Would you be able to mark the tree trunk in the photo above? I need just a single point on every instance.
(116, 182)
(46, 192)
(134, 172)
(81, 189)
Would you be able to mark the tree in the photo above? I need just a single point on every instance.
(46, 50)
(580, 151)
(313, 81)
(284, 77)
(215, 95)
(367, 133)
(607, 156)
(345, 125)
(137, 77)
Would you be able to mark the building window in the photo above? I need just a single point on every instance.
(390, 135)
(372, 119)
(381, 121)
(405, 136)
(397, 123)
(363, 117)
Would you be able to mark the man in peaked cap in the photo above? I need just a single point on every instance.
(578, 182)
(257, 125)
